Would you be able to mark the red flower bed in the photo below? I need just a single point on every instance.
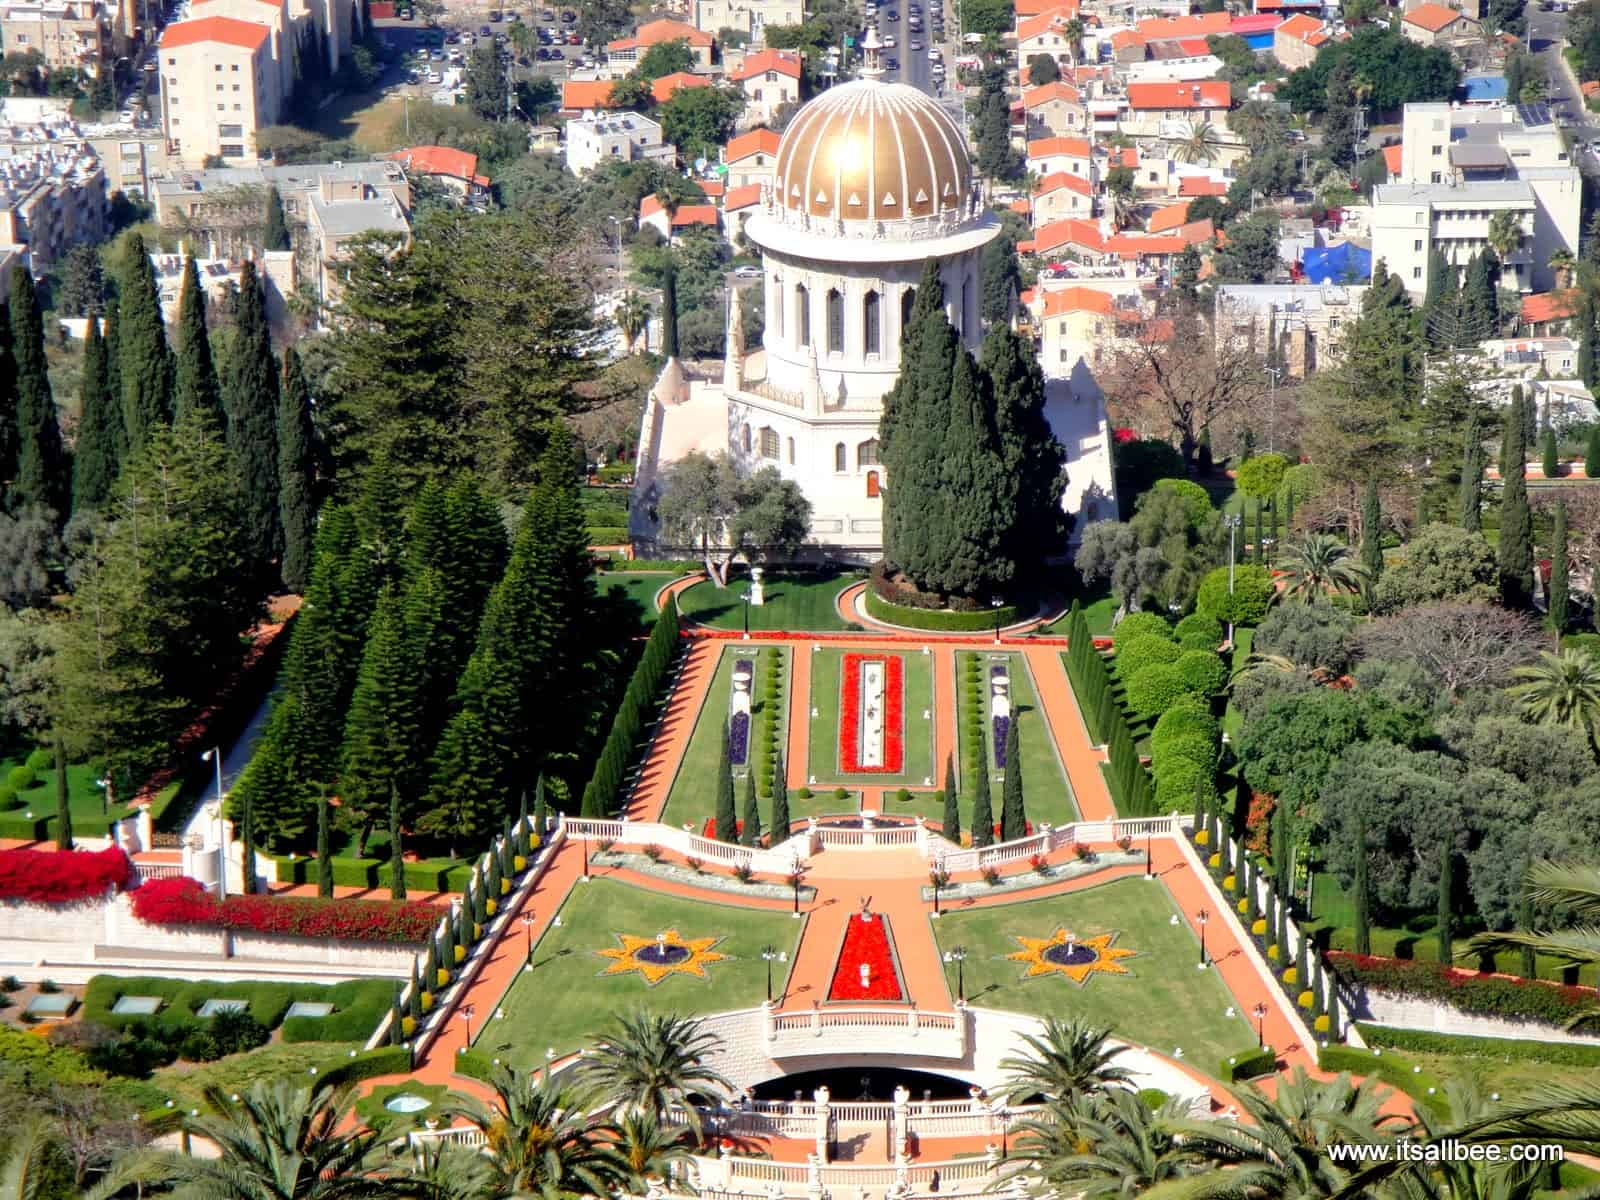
(850, 715)
(61, 876)
(183, 901)
(866, 942)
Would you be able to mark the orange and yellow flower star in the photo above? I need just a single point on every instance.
(1077, 958)
(668, 953)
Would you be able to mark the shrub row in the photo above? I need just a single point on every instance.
(61, 877)
(1184, 751)
(601, 792)
(938, 620)
(900, 596)
(1126, 776)
(764, 751)
(973, 713)
(1393, 1069)
(1484, 995)
(369, 1064)
(358, 1005)
(375, 873)
(43, 826)
(1249, 1064)
(1566, 1054)
(184, 901)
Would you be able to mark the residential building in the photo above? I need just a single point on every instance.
(1546, 313)
(1058, 155)
(70, 34)
(1177, 112)
(1072, 237)
(1055, 108)
(739, 204)
(51, 198)
(1436, 25)
(274, 14)
(751, 157)
(220, 276)
(219, 84)
(625, 52)
(621, 137)
(586, 97)
(685, 217)
(769, 79)
(1084, 323)
(1527, 359)
(1062, 195)
(750, 17)
(1307, 320)
(667, 86)
(455, 170)
(336, 213)
(1188, 61)
(1047, 34)
(1472, 8)
(1295, 42)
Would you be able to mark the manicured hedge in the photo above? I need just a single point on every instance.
(475, 1064)
(1146, 650)
(1197, 631)
(1393, 1069)
(939, 620)
(1249, 1064)
(1126, 778)
(61, 876)
(376, 873)
(1566, 1054)
(1203, 670)
(1484, 995)
(1155, 689)
(601, 793)
(358, 1004)
(1137, 625)
(1180, 782)
(42, 826)
(184, 901)
(369, 1064)
(1189, 717)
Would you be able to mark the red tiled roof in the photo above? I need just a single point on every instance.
(1064, 179)
(1072, 231)
(741, 197)
(663, 88)
(1055, 18)
(1020, 207)
(1201, 185)
(1153, 29)
(1299, 26)
(712, 187)
(1123, 156)
(686, 214)
(1045, 93)
(1123, 38)
(580, 94)
(381, 10)
(1204, 93)
(1131, 245)
(1077, 299)
(653, 33)
(1254, 23)
(1167, 218)
(438, 160)
(1049, 147)
(757, 141)
(1391, 157)
(1032, 8)
(1194, 233)
(246, 35)
(1589, 87)
(1194, 47)
(1549, 306)
(1432, 17)
(759, 63)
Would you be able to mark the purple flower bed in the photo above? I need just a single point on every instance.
(738, 738)
(998, 671)
(1002, 726)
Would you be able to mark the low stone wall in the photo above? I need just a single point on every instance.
(1408, 1012)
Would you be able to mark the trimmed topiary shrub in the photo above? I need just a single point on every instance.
(1176, 782)
(1139, 624)
(1155, 689)
(1202, 751)
(1188, 717)
(1203, 670)
(1143, 651)
(1250, 1064)
(1246, 604)
(1197, 631)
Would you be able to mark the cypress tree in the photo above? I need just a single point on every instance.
(1372, 533)
(296, 470)
(397, 858)
(431, 974)
(479, 891)
(1288, 510)
(1030, 459)
(1515, 552)
(669, 313)
(1105, 715)
(414, 997)
(1260, 538)
(952, 801)
(1303, 963)
(1200, 805)
(381, 729)
(1471, 516)
(1550, 457)
(1591, 453)
(1362, 887)
(195, 372)
(982, 809)
(1530, 960)
(324, 847)
(112, 332)
(780, 803)
(1272, 527)
(63, 804)
(95, 465)
(144, 362)
(1013, 813)
(1560, 571)
(750, 833)
(275, 233)
(250, 396)
(1587, 348)
(541, 817)
(10, 415)
(247, 843)
(43, 478)
(1447, 885)
(726, 821)
(465, 935)
(397, 1033)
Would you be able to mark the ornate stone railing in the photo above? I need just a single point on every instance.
(862, 1029)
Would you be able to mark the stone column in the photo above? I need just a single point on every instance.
(824, 1113)
(900, 1130)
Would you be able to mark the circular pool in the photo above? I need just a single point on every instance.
(405, 1102)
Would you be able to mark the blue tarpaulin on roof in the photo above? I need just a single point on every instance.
(1343, 263)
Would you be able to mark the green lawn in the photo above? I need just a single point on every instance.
(919, 768)
(84, 797)
(1164, 1001)
(564, 998)
(635, 593)
(1044, 783)
(801, 601)
(186, 1082)
(1097, 612)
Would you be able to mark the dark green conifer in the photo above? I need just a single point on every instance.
(195, 373)
(780, 803)
(750, 831)
(1362, 888)
(1013, 812)
(10, 416)
(144, 361)
(1371, 533)
(1471, 515)
(725, 816)
(98, 458)
(1560, 571)
(296, 468)
(250, 398)
(324, 846)
(1591, 453)
(380, 731)
(397, 858)
(1515, 551)
(669, 313)
(275, 233)
(63, 803)
(44, 478)
(982, 809)
(1445, 929)
(1550, 455)
(952, 801)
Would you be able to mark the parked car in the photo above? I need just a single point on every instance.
(747, 272)
(915, 45)
(574, 40)
(484, 31)
(891, 63)
(558, 53)
(405, 14)
(547, 14)
(888, 42)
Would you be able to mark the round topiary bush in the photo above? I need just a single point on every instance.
(1245, 604)
(42, 759)
(803, 792)
(902, 795)
(1143, 651)
(1139, 624)
(22, 778)
(1189, 717)
(1203, 670)
(1155, 689)
(840, 793)
(1197, 631)
(1176, 783)
(1202, 751)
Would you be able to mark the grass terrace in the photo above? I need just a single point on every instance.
(1163, 1001)
(798, 601)
(635, 592)
(1044, 780)
(919, 769)
(567, 994)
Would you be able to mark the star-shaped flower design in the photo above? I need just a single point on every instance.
(1062, 953)
(668, 953)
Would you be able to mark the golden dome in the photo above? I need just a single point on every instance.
(873, 151)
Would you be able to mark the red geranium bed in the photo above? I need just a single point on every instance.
(184, 901)
(893, 715)
(866, 942)
(61, 876)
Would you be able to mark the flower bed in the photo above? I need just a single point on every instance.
(850, 715)
(738, 738)
(1502, 996)
(1002, 727)
(184, 901)
(61, 876)
(869, 942)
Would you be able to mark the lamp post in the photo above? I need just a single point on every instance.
(1274, 374)
(585, 875)
(214, 756)
(466, 1015)
(996, 603)
(958, 955)
(617, 225)
(1260, 1011)
(1203, 916)
(1232, 522)
(104, 784)
(527, 919)
(939, 877)
(746, 598)
(771, 955)
(794, 883)
(1149, 855)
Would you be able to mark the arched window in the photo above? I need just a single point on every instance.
(790, 448)
(867, 453)
(841, 460)
(908, 298)
(869, 313)
(769, 443)
(835, 322)
(744, 438)
(872, 483)
(802, 315)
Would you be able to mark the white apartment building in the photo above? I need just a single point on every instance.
(1458, 168)
(68, 33)
(749, 17)
(219, 84)
(624, 136)
(1306, 319)
(51, 198)
(274, 14)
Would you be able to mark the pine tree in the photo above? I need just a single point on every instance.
(63, 804)
(1525, 915)
(1560, 571)
(247, 844)
(750, 833)
(726, 820)
(296, 467)
(43, 478)
(250, 397)
(116, 420)
(1031, 460)
(324, 846)
(397, 858)
(144, 361)
(380, 731)
(541, 816)
(195, 373)
(1471, 516)
(1550, 456)
(1591, 453)
(952, 801)
(1362, 888)
(1588, 351)
(1447, 885)
(780, 803)
(275, 234)
(1515, 552)
(9, 415)
(669, 314)
(94, 466)
(982, 810)
(1372, 533)
(1013, 812)
(1260, 538)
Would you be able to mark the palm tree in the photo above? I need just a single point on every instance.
(1318, 564)
(651, 1062)
(544, 1138)
(1505, 233)
(31, 1166)
(1073, 31)
(647, 1147)
(1561, 689)
(1198, 143)
(1259, 123)
(1071, 1058)
(1112, 1145)
(446, 1172)
(283, 1142)
(633, 318)
(1563, 264)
